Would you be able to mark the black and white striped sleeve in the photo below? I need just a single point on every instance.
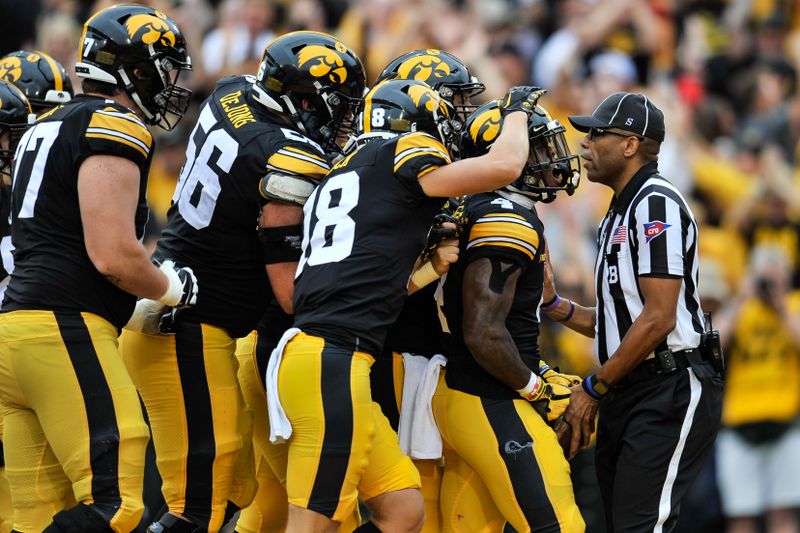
(660, 232)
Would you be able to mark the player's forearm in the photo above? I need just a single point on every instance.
(495, 351)
(128, 267)
(575, 316)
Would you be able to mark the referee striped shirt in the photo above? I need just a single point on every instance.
(649, 230)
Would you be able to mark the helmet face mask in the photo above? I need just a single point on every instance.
(550, 168)
(316, 81)
(157, 85)
(137, 49)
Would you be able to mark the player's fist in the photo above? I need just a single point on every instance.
(552, 375)
(521, 98)
(550, 400)
(181, 285)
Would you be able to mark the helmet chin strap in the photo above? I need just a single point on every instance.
(131, 90)
(293, 113)
(261, 96)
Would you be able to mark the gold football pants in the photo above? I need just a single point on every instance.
(502, 464)
(269, 510)
(341, 446)
(74, 429)
(430, 470)
(202, 430)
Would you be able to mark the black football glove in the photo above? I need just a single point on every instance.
(521, 98)
(438, 233)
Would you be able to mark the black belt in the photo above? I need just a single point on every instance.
(663, 364)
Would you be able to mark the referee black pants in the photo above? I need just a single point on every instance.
(653, 438)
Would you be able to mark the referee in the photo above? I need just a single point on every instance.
(659, 399)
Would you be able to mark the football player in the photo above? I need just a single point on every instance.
(417, 329)
(45, 84)
(503, 462)
(73, 422)
(364, 227)
(15, 114)
(259, 147)
(44, 80)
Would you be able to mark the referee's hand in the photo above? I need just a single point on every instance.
(580, 415)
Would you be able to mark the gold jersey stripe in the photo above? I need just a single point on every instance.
(414, 155)
(115, 121)
(425, 171)
(293, 165)
(118, 139)
(512, 215)
(511, 230)
(506, 245)
(420, 140)
(307, 154)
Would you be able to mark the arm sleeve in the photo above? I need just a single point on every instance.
(506, 235)
(659, 227)
(415, 155)
(112, 131)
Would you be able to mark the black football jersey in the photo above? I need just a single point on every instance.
(417, 329)
(52, 268)
(212, 222)
(364, 226)
(495, 227)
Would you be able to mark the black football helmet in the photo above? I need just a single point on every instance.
(43, 79)
(141, 51)
(15, 117)
(549, 152)
(443, 71)
(402, 106)
(314, 79)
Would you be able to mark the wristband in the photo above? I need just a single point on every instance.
(424, 275)
(530, 390)
(552, 304)
(172, 296)
(569, 314)
(596, 388)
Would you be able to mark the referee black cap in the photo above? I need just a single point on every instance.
(632, 112)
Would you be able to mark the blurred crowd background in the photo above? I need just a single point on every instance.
(726, 75)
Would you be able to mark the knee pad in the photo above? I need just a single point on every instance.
(78, 519)
(172, 524)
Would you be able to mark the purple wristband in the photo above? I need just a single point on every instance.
(569, 314)
(552, 304)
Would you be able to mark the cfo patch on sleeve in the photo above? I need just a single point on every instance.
(654, 229)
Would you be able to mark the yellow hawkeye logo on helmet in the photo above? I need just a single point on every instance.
(10, 69)
(326, 62)
(428, 97)
(486, 126)
(150, 29)
(423, 68)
